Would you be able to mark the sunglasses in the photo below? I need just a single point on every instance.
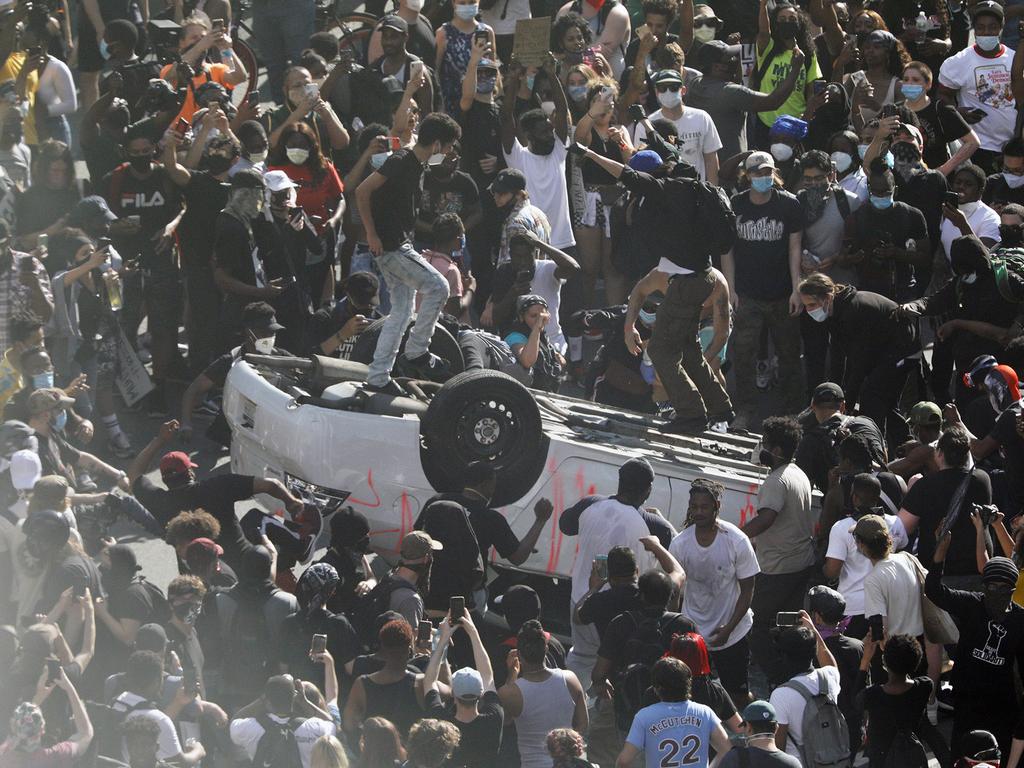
(668, 87)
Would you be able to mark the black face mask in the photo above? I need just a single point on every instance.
(363, 545)
(1011, 235)
(217, 164)
(767, 458)
(545, 147)
(140, 163)
(786, 30)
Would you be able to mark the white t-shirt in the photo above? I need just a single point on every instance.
(857, 183)
(546, 186)
(789, 705)
(545, 284)
(713, 578)
(891, 590)
(983, 220)
(247, 732)
(856, 567)
(698, 135)
(984, 83)
(605, 524)
(168, 745)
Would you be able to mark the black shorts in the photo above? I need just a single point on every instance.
(732, 665)
(164, 297)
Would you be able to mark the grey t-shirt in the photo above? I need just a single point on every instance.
(727, 103)
(407, 602)
(788, 544)
(824, 238)
(760, 758)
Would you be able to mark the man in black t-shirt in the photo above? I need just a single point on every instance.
(1007, 187)
(447, 190)
(599, 606)
(387, 205)
(333, 330)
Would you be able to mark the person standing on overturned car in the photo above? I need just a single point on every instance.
(387, 205)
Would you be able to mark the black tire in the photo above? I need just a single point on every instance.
(442, 344)
(483, 416)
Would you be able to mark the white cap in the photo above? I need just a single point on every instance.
(278, 181)
(25, 470)
(758, 160)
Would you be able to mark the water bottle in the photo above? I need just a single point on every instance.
(113, 284)
(922, 25)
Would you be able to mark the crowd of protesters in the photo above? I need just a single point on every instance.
(701, 213)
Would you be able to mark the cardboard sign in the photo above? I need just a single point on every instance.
(133, 380)
(532, 41)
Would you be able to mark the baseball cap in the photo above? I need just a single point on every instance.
(509, 180)
(26, 469)
(636, 472)
(202, 551)
(417, 544)
(881, 37)
(519, 604)
(757, 160)
(259, 316)
(48, 399)
(645, 161)
(487, 64)
(395, 22)
(89, 209)
(825, 600)
(715, 51)
(151, 637)
(989, 7)
(176, 463)
(247, 178)
(49, 492)
(871, 528)
(364, 286)
(666, 76)
(925, 414)
(467, 684)
(278, 181)
(912, 130)
(759, 712)
(828, 392)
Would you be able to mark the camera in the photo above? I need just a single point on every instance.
(164, 35)
(160, 96)
(987, 512)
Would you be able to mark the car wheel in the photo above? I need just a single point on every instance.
(442, 344)
(483, 416)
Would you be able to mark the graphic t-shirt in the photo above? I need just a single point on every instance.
(155, 200)
(984, 83)
(698, 136)
(777, 71)
(393, 204)
(761, 251)
(672, 733)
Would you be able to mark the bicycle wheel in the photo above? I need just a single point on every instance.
(353, 32)
(247, 57)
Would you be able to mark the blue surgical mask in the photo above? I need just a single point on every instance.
(647, 318)
(60, 421)
(881, 201)
(104, 49)
(842, 160)
(987, 42)
(530, 80)
(818, 314)
(762, 184)
(377, 159)
(42, 380)
(912, 91)
(486, 84)
(862, 149)
(467, 12)
(577, 92)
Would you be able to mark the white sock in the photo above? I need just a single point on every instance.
(112, 426)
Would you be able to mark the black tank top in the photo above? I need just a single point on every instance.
(396, 701)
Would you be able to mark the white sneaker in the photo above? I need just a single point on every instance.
(720, 426)
(932, 711)
(763, 379)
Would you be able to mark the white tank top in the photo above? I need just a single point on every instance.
(546, 706)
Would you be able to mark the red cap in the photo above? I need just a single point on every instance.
(208, 544)
(201, 550)
(176, 463)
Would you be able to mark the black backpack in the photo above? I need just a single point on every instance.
(161, 608)
(371, 606)
(277, 747)
(248, 652)
(643, 648)
(905, 751)
(714, 223)
(107, 722)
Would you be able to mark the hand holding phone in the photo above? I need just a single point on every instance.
(318, 645)
(952, 199)
(636, 113)
(423, 633)
(52, 670)
(601, 565)
(457, 608)
(787, 618)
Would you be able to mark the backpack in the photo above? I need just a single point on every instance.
(644, 647)
(248, 651)
(277, 747)
(714, 223)
(161, 607)
(826, 738)
(905, 751)
(1008, 268)
(364, 616)
(107, 722)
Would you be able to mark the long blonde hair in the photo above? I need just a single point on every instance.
(328, 753)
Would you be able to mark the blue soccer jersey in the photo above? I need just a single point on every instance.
(674, 734)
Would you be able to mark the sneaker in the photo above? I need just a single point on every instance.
(665, 410)
(121, 446)
(684, 426)
(426, 366)
(208, 408)
(741, 423)
(392, 388)
(774, 364)
(84, 483)
(719, 426)
(944, 698)
(763, 379)
(932, 710)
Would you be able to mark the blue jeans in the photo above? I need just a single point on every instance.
(407, 273)
(282, 29)
(362, 261)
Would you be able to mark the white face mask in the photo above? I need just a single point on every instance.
(987, 42)
(703, 33)
(297, 155)
(782, 152)
(377, 159)
(548, 107)
(435, 159)
(257, 157)
(842, 160)
(670, 99)
(1013, 181)
(265, 345)
(969, 279)
(818, 314)
(414, 5)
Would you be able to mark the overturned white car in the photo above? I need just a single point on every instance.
(309, 422)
